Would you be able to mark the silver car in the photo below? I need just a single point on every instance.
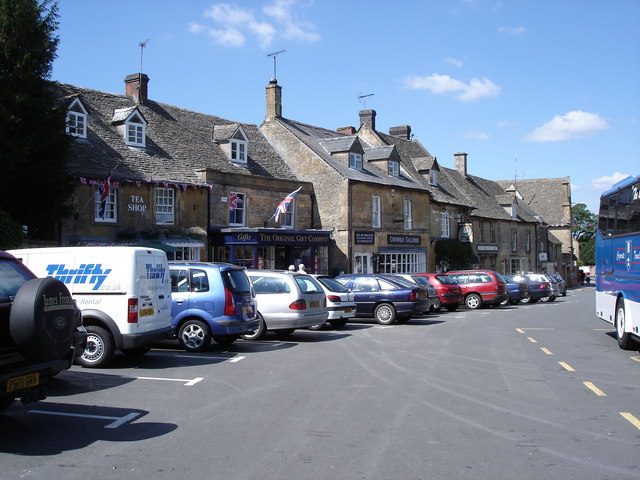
(286, 301)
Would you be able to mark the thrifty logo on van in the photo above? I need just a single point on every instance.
(156, 271)
(91, 273)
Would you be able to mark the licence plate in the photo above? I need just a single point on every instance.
(23, 381)
(314, 303)
(422, 295)
(348, 310)
(145, 312)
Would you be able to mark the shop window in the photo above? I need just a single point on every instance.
(106, 212)
(243, 255)
(409, 262)
(165, 206)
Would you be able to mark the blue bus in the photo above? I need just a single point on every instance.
(618, 261)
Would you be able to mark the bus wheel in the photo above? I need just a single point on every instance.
(625, 340)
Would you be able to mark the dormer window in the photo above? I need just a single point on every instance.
(135, 131)
(355, 160)
(238, 147)
(77, 119)
(433, 177)
(394, 168)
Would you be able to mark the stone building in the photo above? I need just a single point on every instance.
(198, 186)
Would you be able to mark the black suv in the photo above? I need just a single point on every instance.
(41, 332)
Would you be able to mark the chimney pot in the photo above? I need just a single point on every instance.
(403, 131)
(137, 87)
(461, 163)
(347, 130)
(368, 117)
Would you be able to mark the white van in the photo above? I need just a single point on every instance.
(124, 294)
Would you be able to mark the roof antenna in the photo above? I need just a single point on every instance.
(361, 99)
(274, 55)
(142, 45)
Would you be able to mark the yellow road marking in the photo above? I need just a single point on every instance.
(519, 330)
(567, 367)
(635, 359)
(546, 350)
(594, 389)
(633, 420)
(532, 340)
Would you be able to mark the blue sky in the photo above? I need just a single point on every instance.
(528, 88)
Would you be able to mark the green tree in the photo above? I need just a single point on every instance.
(588, 252)
(584, 222)
(34, 183)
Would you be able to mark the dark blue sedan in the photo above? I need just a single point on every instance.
(385, 299)
(517, 289)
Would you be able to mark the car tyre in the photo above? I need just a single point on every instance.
(337, 323)
(136, 352)
(258, 332)
(224, 339)
(385, 314)
(194, 336)
(100, 348)
(526, 298)
(42, 332)
(5, 403)
(473, 301)
(625, 340)
(452, 308)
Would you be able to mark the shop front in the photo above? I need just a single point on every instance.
(273, 249)
(388, 253)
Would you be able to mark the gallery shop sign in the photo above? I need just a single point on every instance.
(404, 239)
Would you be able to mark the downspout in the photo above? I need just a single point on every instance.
(349, 229)
(209, 247)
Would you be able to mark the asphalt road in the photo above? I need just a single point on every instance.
(527, 392)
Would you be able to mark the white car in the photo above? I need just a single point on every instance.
(286, 301)
(341, 302)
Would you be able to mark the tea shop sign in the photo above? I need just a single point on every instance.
(136, 204)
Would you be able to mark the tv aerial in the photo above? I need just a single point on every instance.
(274, 55)
(362, 99)
(142, 45)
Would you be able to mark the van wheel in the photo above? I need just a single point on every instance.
(194, 336)
(385, 314)
(224, 339)
(625, 341)
(473, 301)
(99, 350)
(258, 333)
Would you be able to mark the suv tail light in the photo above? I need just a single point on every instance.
(299, 304)
(132, 310)
(333, 298)
(229, 303)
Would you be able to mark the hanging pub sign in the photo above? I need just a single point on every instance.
(465, 232)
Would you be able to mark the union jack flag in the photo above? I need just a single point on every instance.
(103, 190)
(233, 200)
(284, 204)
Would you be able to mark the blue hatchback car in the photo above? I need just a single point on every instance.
(211, 301)
(384, 298)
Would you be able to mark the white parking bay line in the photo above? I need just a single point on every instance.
(237, 359)
(187, 383)
(118, 420)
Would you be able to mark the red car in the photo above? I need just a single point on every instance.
(449, 292)
(481, 287)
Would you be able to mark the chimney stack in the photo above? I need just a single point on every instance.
(137, 87)
(403, 131)
(274, 100)
(461, 163)
(347, 130)
(368, 117)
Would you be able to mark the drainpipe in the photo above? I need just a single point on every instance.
(349, 229)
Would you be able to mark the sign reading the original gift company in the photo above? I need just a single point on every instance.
(404, 239)
(281, 238)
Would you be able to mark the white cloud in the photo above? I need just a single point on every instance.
(454, 62)
(601, 184)
(233, 24)
(477, 135)
(512, 30)
(444, 84)
(575, 124)
(506, 123)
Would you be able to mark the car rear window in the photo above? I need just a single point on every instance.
(333, 285)
(12, 277)
(499, 277)
(263, 284)
(307, 284)
(420, 279)
(445, 279)
(237, 281)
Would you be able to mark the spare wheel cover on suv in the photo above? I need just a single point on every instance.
(42, 319)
